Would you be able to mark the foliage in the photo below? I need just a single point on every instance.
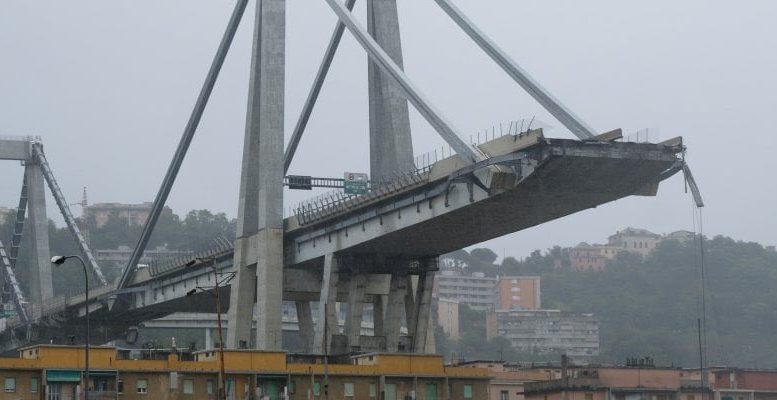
(194, 232)
(651, 306)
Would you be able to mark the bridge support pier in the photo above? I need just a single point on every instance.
(209, 345)
(392, 321)
(378, 311)
(259, 248)
(39, 271)
(326, 323)
(353, 321)
(305, 324)
(422, 315)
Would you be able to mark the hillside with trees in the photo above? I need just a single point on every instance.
(650, 307)
(195, 231)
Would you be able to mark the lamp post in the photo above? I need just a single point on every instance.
(216, 288)
(57, 261)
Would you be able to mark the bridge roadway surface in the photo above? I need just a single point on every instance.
(524, 181)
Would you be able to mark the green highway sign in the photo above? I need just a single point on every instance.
(355, 183)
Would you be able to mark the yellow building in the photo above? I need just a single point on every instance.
(53, 372)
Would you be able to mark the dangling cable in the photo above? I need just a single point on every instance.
(699, 258)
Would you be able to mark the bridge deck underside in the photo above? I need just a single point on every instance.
(561, 186)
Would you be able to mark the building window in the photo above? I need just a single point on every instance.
(120, 386)
(141, 385)
(316, 388)
(589, 396)
(373, 391)
(504, 395)
(467, 391)
(10, 385)
(34, 385)
(209, 386)
(348, 389)
(188, 386)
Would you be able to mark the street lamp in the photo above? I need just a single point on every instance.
(57, 261)
(216, 288)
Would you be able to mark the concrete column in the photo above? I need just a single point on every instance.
(423, 310)
(395, 308)
(353, 322)
(431, 341)
(305, 324)
(243, 288)
(259, 248)
(391, 147)
(410, 299)
(327, 306)
(378, 311)
(209, 339)
(38, 273)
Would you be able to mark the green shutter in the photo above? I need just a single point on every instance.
(63, 376)
(431, 391)
(467, 391)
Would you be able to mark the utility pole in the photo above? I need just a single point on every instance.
(222, 374)
(222, 392)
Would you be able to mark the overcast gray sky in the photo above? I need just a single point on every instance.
(110, 85)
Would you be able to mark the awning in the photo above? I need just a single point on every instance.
(63, 376)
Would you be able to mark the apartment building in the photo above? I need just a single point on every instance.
(547, 332)
(134, 214)
(476, 290)
(56, 373)
(620, 383)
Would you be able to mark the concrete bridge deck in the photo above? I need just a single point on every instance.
(525, 181)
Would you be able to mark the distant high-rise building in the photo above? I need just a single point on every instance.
(134, 214)
(448, 317)
(475, 290)
(518, 293)
(547, 332)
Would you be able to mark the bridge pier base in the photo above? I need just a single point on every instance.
(209, 345)
(305, 324)
(422, 326)
(392, 321)
(326, 323)
(353, 321)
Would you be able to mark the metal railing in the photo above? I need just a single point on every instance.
(336, 201)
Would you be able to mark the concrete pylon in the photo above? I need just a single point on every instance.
(422, 315)
(38, 272)
(391, 146)
(259, 246)
(353, 320)
(305, 324)
(395, 308)
(326, 323)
